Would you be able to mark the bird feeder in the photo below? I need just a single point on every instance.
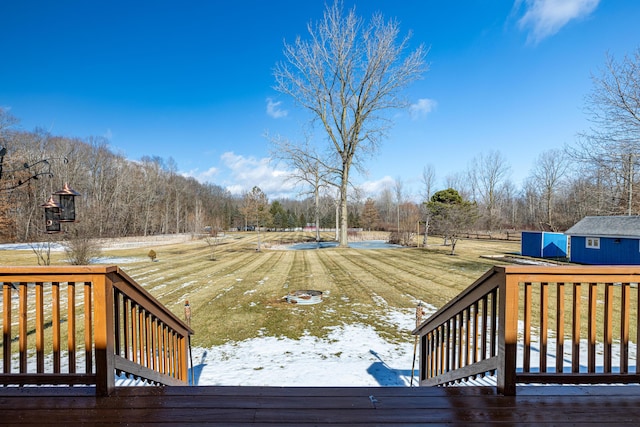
(67, 203)
(52, 216)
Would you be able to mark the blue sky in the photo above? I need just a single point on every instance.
(192, 80)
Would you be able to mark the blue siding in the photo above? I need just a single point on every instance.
(543, 245)
(626, 252)
(531, 244)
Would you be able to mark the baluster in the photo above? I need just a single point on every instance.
(608, 325)
(55, 319)
(432, 360)
(117, 310)
(425, 348)
(544, 319)
(447, 355)
(167, 367)
(526, 359)
(39, 328)
(88, 327)
(159, 346)
(152, 333)
(71, 323)
(494, 323)
(22, 327)
(591, 349)
(141, 336)
(560, 327)
(624, 328)
(6, 327)
(171, 355)
(467, 356)
(575, 349)
(483, 338)
(476, 316)
(147, 334)
(424, 361)
(126, 335)
(460, 338)
(134, 332)
(441, 350)
(454, 342)
(485, 318)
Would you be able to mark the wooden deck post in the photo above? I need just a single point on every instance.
(507, 335)
(105, 364)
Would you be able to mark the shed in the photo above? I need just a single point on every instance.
(606, 240)
(542, 244)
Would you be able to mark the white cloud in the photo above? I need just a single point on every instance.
(373, 189)
(202, 176)
(544, 18)
(274, 110)
(421, 108)
(247, 172)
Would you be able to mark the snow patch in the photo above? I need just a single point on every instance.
(351, 355)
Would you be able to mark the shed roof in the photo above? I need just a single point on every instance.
(612, 226)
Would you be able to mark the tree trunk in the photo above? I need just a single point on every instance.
(317, 213)
(343, 236)
(630, 179)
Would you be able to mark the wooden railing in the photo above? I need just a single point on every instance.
(111, 325)
(531, 324)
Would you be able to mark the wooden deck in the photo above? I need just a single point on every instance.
(235, 406)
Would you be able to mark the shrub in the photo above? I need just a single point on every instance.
(81, 249)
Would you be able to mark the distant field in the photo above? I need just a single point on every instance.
(239, 294)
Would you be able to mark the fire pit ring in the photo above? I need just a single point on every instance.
(304, 297)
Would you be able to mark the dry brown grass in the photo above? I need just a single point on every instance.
(240, 294)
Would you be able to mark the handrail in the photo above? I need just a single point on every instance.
(510, 315)
(114, 326)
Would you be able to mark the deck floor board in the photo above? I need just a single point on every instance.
(348, 406)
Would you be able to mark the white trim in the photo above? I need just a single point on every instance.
(592, 242)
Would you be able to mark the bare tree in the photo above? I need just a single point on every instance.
(398, 187)
(385, 201)
(428, 181)
(488, 172)
(613, 141)
(212, 242)
(348, 75)
(80, 246)
(549, 170)
(255, 205)
(307, 167)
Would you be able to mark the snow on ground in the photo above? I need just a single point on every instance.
(352, 355)
(106, 244)
(55, 247)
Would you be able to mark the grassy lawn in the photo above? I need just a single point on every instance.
(239, 294)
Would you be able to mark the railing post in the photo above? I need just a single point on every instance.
(104, 340)
(507, 335)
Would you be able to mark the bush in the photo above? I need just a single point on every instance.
(81, 249)
(152, 255)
